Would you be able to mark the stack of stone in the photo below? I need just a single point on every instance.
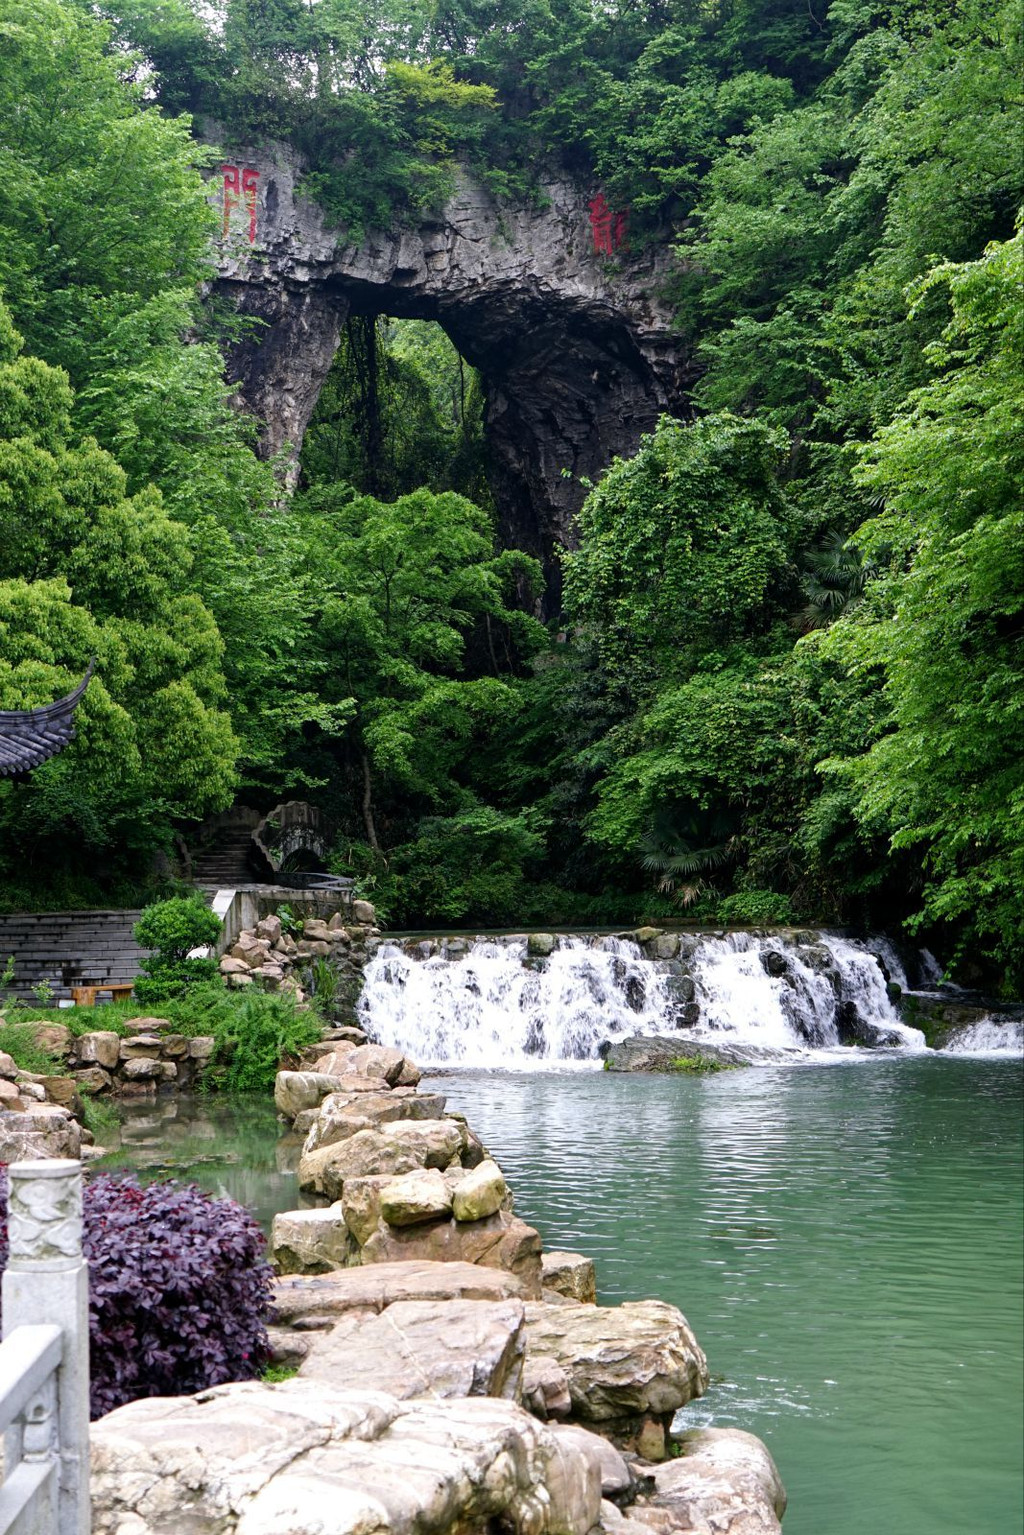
(270, 955)
(449, 1376)
(36, 1118)
(412, 1190)
(404, 1179)
(152, 1057)
(485, 1391)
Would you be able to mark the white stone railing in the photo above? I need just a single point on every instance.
(44, 1357)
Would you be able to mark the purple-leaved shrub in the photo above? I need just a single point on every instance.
(179, 1289)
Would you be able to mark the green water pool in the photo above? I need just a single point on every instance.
(847, 1241)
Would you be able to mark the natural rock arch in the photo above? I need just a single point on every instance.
(576, 351)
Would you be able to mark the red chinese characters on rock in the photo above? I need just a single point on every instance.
(610, 229)
(240, 192)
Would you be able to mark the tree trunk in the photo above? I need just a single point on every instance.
(371, 830)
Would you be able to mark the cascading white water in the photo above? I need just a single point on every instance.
(492, 1005)
(764, 991)
(488, 1008)
(989, 1036)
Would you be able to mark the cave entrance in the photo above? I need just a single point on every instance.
(400, 408)
(576, 353)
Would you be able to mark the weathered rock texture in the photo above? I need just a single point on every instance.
(628, 1368)
(310, 1458)
(576, 351)
(455, 1348)
(304, 1458)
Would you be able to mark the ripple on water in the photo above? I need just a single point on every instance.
(847, 1244)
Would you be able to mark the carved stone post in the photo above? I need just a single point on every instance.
(46, 1280)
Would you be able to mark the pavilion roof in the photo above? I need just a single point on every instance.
(29, 737)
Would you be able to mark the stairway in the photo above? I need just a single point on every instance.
(69, 948)
(224, 861)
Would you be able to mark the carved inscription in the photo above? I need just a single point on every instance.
(609, 228)
(240, 188)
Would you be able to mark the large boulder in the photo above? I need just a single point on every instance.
(345, 1113)
(312, 1241)
(722, 1479)
(415, 1197)
(40, 1130)
(660, 1052)
(382, 1061)
(298, 1090)
(629, 1367)
(480, 1193)
(617, 1480)
(100, 1047)
(438, 1349)
(306, 1458)
(55, 1038)
(398, 1147)
(334, 1063)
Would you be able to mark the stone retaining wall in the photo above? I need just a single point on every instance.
(69, 948)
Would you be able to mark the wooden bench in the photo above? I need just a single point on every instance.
(85, 996)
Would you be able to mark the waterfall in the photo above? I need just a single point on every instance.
(989, 1036)
(489, 1002)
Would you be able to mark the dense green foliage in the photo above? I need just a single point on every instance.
(786, 686)
(253, 1030)
(171, 929)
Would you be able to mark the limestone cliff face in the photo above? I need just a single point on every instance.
(576, 349)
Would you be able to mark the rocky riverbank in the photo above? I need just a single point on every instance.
(449, 1374)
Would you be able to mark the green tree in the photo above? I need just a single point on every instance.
(406, 583)
(947, 626)
(87, 570)
(683, 549)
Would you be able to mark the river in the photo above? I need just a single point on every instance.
(846, 1240)
(845, 1237)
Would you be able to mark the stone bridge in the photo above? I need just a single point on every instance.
(571, 333)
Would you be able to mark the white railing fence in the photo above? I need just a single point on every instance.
(44, 1356)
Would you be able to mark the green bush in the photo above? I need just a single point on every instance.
(254, 1031)
(756, 908)
(172, 929)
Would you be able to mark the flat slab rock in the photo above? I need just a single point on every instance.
(314, 1300)
(435, 1349)
(307, 1458)
(656, 1052)
(304, 1458)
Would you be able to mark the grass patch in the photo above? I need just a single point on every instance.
(17, 1039)
(274, 1374)
(698, 1065)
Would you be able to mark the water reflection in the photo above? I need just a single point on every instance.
(230, 1146)
(847, 1242)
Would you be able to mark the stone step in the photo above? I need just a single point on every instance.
(66, 949)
